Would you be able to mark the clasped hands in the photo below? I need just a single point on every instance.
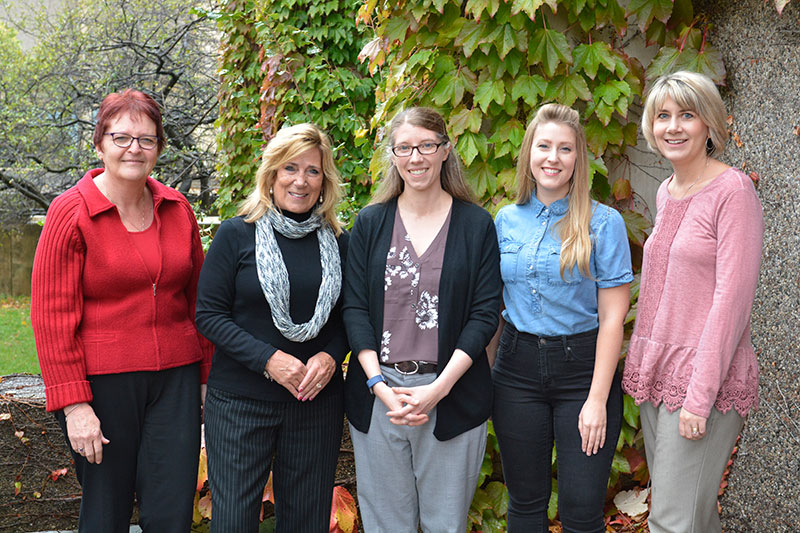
(408, 406)
(304, 381)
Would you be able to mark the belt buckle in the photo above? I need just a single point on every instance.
(416, 368)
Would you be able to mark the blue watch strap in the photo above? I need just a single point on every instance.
(374, 380)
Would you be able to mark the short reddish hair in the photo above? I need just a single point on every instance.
(131, 101)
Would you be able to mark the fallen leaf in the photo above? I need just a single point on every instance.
(17, 487)
(19, 434)
(632, 502)
(37, 495)
(736, 139)
(795, 130)
(55, 474)
(729, 120)
(754, 176)
(5, 416)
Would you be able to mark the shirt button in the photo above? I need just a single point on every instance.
(413, 306)
(533, 291)
(543, 222)
(416, 265)
(530, 267)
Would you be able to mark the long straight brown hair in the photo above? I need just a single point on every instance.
(452, 176)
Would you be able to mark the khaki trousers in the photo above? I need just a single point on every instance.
(685, 474)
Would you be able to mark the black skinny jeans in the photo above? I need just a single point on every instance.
(540, 386)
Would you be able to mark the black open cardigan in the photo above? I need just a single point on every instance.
(469, 306)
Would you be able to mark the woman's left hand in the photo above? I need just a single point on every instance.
(691, 426)
(319, 371)
(592, 426)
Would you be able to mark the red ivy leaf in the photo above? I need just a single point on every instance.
(55, 474)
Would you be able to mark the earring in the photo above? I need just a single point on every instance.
(709, 145)
(270, 191)
(320, 198)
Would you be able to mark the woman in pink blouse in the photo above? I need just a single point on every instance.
(691, 365)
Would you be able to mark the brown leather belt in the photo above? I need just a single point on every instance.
(409, 368)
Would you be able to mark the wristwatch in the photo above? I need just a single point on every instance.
(374, 380)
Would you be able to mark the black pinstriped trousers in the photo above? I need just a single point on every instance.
(298, 440)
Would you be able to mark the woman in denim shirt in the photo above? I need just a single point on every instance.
(566, 269)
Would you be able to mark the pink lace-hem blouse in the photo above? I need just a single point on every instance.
(691, 344)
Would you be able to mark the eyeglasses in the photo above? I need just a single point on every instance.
(426, 148)
(123, 140)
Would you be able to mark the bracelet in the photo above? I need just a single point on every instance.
(266, 375)
(66, 414)
(374, 380)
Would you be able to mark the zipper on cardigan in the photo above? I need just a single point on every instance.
(154, 289)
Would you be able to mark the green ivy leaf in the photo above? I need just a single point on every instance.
(477, 7)
(548, 48)
(613, 14)
(552, 505)
(463, 119)
(491, 90)
(663, 62)
(630, 411)
(529, 88)
(709, 62)
(444, 90)
(498, 496)
(507, 180)
(528, 6)
(566, 89)
(469, 146)
(508, 138)
(636, 225)
(470, 37)
(481, 176)
(395, 29)
(589, 57)
(647, 10)
(599, 135)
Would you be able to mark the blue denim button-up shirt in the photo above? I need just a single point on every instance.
(537, 299)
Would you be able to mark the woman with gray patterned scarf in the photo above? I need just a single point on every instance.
(269, 300)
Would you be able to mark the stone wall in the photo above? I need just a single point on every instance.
(762, 55)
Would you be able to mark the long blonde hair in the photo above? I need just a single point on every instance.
(287, 144)
(452, 176)
(574, 228)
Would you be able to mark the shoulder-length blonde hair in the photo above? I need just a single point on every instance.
(452, 176)
(574, 228)
(691, 91)
(287, 144)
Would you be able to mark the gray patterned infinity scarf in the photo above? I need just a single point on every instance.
(275, 279)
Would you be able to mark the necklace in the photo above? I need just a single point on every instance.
(686, 192)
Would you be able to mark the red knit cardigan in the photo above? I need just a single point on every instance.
(94, 306)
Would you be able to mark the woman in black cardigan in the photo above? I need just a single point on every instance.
(422, 289)
(269, 300)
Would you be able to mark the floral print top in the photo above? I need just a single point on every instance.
(411, 299)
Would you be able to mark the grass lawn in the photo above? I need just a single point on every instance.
(17, 349)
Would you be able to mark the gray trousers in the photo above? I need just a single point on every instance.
(685, 474)
(406, 477)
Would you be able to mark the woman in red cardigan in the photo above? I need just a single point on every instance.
(112, 308)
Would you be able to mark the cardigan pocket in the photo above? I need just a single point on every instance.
(96, 347)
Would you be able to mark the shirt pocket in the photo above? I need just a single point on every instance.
(509, 257)
(572, 277)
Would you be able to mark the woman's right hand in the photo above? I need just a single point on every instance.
(401, 411)
(287, 370)
(84, 433)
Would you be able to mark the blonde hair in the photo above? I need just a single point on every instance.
(287, 144)
(574, 228)
(452, 175)
(691, 91)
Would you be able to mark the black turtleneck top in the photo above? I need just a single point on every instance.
(233, 313)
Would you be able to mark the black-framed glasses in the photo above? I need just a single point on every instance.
(123, 140)
(426, 148)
